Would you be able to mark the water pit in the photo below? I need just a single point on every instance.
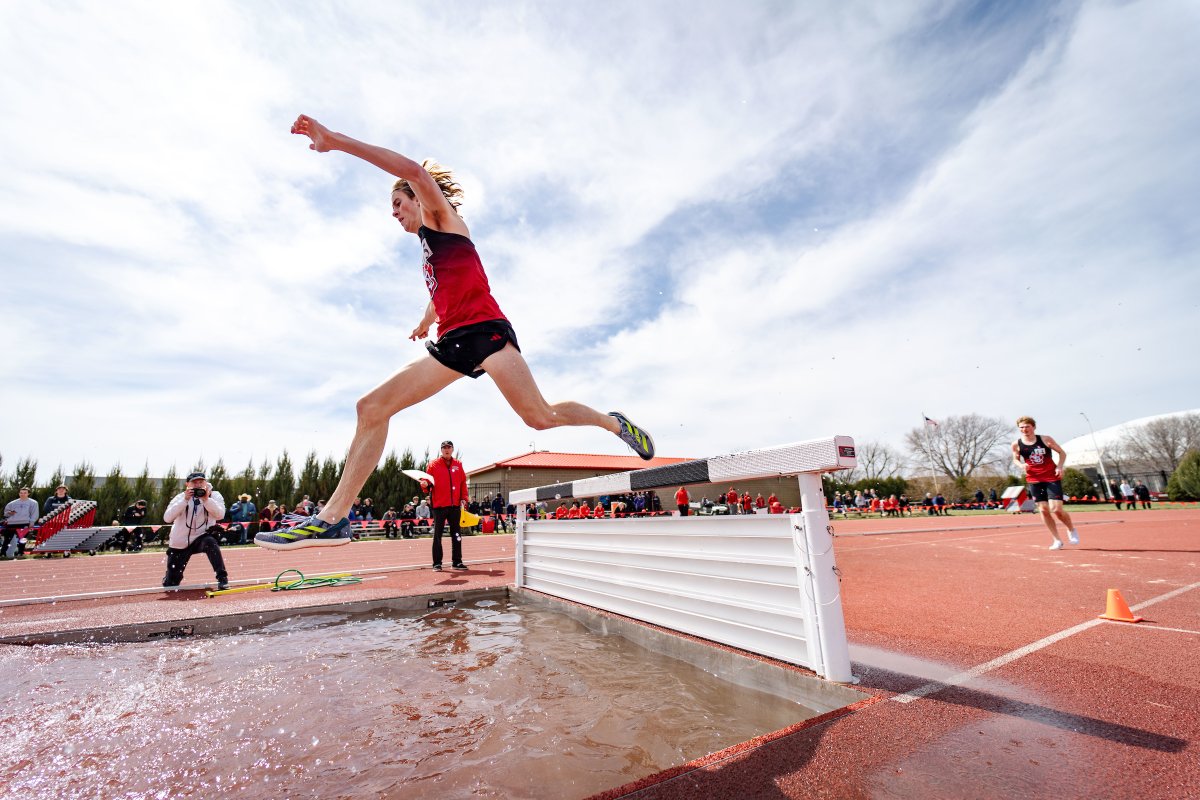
(490, 696)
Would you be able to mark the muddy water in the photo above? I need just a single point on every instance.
(488, 699)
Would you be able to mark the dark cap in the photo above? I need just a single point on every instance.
(447, 443)
(194, 475)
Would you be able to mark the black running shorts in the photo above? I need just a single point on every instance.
(464, 349)
(1050, 490)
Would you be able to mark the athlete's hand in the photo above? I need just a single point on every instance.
(320, 135)
(420, 332)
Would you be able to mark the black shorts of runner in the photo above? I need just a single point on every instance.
(464, 349)
(1051, 490)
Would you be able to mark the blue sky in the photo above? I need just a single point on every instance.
(743, 224)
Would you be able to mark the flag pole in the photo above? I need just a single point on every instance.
(925, 423)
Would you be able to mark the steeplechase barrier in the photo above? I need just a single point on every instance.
(764, 583)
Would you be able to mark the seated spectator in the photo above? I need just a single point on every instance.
(772, 500)
(839, 507)
(135, 516)
(599, 512)
(928, 504)
(759, 501)
(904, 505)
(777, 507)
(408, 521)
(423, 511)
(939, 503)
(875, 506)
(585, 509)
(390, 528)
(561, 512)
(979, 498)
(367, 510)
(573, 512)
(19, 515)
(891, 507)
(268, 512)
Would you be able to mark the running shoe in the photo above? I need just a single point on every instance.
(1057, 545)
(635, 437)
(305, 532)
(1073, 537)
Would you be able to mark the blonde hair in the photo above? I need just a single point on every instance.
(1023, 420)
(442, 176)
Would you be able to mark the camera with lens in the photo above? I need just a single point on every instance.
(199, 491)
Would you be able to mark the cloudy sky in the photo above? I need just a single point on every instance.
(744, 224)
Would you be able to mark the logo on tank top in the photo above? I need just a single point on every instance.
(427, 267)
(1037, 456)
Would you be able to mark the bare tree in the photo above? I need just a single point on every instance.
(958, 446)
(877, 460)
(1162, 443)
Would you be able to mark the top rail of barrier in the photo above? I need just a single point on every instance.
(813, 456)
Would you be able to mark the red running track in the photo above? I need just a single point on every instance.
(991, 676)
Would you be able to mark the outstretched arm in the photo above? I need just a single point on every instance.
(433, 203)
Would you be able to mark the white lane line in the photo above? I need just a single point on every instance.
(961, 538)
(975, 672)
(1155, 628)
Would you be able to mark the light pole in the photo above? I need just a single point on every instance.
(1099, 457)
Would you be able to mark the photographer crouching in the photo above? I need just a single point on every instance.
(194, 514)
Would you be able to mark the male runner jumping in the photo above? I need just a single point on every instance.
(474, 337)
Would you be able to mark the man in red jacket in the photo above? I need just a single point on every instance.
(449, 496)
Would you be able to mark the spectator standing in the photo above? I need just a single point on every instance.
(57, 500)
(993, 498)
(449, 496)
(498, 512)
(747, 503)
(19, 514)
(1114, 491)
(682, 501)
(731, 500)
(759, 502)
(1128, 495)
(1143, 493)
(243, 513)
(193, 514)
(979, 498)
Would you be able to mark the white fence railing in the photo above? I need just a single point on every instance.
(762, 583)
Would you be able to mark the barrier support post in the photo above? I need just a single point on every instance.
(817, 554)
(519, 570)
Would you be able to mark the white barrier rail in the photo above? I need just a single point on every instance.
(762, 583)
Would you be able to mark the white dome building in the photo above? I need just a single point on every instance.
(1082, 453)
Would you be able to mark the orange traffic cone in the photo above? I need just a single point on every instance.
(1118, 609)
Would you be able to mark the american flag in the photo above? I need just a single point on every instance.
(928, 421)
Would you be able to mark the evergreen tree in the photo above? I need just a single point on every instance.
(1184, 483)
(171, 486)
(218, 476)
(83, 483)
(246, 483)
(25, 474)
(112, 498)
(55, 481)
(143, 489)
(327, 481)
(263, 484)
(283, 485)
(310, 477)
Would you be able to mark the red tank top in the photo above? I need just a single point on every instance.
(456, 281)
(1039, 462)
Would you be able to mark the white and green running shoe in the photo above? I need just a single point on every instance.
(305, 532)
(634, 436)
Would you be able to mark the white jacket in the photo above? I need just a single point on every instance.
(189, 518)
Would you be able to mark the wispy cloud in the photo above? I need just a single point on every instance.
(742, 225)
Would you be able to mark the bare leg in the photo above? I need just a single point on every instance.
(418, 381)
(514, 380)
(1063, 516)
(1048, 518)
